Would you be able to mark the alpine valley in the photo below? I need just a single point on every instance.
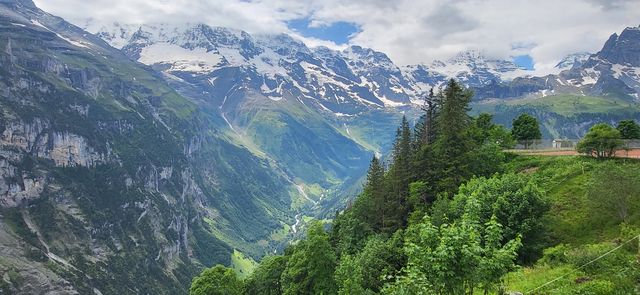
(132, 156)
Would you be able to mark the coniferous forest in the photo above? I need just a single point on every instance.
(447, 213)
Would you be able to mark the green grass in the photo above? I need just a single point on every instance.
(528, 279)
(582, 224)
(241, 264)
(280, 234)
(566, 104)
(576, 217)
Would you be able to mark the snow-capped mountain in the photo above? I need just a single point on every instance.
(473, 68)
(613, 71)
(273, 65)
(571, 60)
(342, 82)
(217, 64)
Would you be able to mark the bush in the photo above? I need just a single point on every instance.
(217, 280)
(595, 287)
(556, 255)
(516, 202)
(601, 141)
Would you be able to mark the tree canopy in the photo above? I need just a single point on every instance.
(434, 217)
(629, 129)
(526, 129)
(217, 280)
(601, 141)
(310, 268)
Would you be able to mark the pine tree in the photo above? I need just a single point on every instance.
(433, 104)
(399, 177)
(376, 194)
(425, 130)
(453, 140)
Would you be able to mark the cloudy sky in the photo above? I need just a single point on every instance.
(536, 33)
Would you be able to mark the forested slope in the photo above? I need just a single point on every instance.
(451, 213)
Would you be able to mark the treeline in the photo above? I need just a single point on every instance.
(603, 140)
(441, 216)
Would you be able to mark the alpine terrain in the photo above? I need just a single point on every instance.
(133, 156)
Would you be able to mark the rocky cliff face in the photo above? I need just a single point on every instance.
(623, 49)
(110, 181)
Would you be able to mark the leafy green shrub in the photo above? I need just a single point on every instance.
(595, 287)
(518, 205)
(586, 256)
(556, 255)
(217, 280)
(601, 141)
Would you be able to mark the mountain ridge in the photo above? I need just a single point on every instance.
(189, 144)
(112, 182)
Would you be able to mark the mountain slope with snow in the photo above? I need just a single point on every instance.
(347, 81)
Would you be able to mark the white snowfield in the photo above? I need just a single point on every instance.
(196, 60)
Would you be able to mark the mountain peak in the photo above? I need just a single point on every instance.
(356, 52)
(573, 60)
(283, 44)
(468, 55)
(623, 48)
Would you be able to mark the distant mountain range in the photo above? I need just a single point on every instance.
(135, 156)
(344, 82)
(356, 80)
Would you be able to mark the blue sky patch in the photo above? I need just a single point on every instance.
(524, 61)
(338, 32)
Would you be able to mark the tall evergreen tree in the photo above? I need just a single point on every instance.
(453, 141)
(426, 129)
(376, 194)
(483, 125)
(399, 177)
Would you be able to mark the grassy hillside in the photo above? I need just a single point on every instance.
(562, 115)
(595, 208)
(567, 104)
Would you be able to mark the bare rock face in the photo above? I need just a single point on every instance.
(22, 135)
(67, 149)
(110, 181)
(623, 49)
(64, 148)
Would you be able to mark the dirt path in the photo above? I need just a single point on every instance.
(635, 153)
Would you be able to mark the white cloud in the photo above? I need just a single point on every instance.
(408, 31)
